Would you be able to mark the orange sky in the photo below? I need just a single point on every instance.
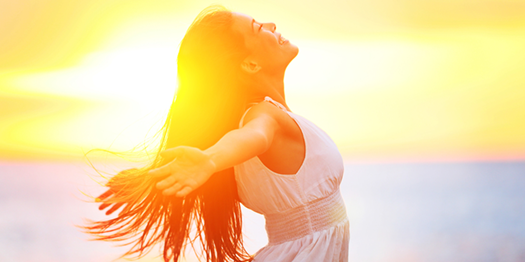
(399, 80)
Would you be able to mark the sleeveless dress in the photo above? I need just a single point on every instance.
(304, 212)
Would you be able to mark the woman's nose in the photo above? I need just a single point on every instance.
(270, 26)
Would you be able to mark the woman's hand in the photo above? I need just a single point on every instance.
(188, 170)
(105, 204)
(115, 186)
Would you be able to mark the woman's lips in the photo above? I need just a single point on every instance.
(282, 40)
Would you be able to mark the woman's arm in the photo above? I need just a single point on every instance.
(242, 144)
(192, 167)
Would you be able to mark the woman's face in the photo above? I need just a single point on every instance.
(267, 47)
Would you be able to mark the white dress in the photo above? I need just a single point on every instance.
(304, 212)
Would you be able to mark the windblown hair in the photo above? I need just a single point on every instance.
(209, 103)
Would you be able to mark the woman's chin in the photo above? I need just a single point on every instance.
(294, 50)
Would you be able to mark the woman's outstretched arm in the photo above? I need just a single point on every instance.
(191, 167)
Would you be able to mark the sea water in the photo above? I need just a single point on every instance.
(398, 212)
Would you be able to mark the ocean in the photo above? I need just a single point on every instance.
(398, 212)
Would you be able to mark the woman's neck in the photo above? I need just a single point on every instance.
(268, 85)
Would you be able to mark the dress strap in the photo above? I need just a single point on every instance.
(267, 99)
(279, 105)
(242, 118)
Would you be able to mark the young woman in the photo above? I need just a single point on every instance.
(230, 138)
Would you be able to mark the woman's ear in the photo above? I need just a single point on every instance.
(249, 66)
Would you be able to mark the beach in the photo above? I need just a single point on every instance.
(398, 212)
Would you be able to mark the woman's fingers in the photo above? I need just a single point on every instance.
(166, 183)
(104, 195)
(114, 208)
(161, 171)
(172, 190)
(179, 190)
(104, 205)
(172, 153)
(184, 192)
(165, 170)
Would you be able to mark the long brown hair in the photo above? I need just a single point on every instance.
(209, 103)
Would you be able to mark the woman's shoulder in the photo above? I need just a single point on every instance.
(263, 108)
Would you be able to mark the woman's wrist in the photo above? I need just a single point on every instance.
(214, 166)
(212, 161)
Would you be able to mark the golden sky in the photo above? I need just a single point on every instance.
(405, 80)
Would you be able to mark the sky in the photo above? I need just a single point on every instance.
(389, 81)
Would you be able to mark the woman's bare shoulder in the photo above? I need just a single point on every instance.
(264, 108)
(268, 110)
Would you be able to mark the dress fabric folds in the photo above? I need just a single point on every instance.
(304, 212)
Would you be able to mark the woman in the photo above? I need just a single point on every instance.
(230, 138)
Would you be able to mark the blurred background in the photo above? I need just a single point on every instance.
(425, 100)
